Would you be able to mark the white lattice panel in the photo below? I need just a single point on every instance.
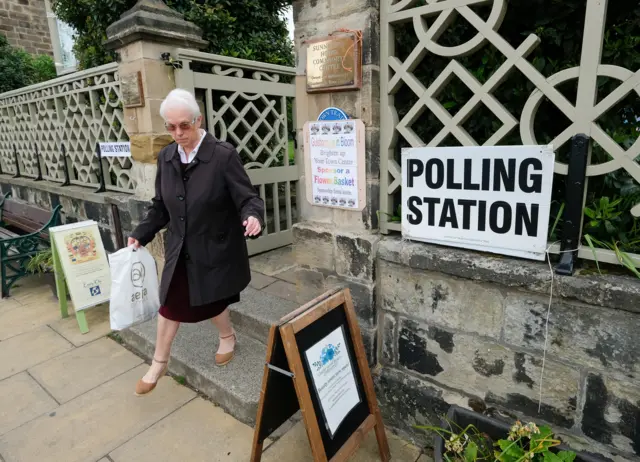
(583, 115)
(76, 111)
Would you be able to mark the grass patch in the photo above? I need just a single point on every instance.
(180, 379)
(115, 336)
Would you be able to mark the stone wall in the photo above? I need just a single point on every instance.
(25, 24)
(464, 328)
(336, 247)
(80, 204)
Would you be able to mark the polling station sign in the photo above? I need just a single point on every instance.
(115, 149)
(493, 199)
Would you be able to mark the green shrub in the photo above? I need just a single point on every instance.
(249, 29)
(19, 69)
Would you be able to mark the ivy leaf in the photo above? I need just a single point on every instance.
(471, 452)
(551, 457)
(450, 104)
(567, 456)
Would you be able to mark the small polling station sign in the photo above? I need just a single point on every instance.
(494, 199)
(115, 149)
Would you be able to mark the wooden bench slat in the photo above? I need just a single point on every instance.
(27, 211)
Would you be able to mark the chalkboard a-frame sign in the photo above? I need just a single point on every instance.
(316, 363)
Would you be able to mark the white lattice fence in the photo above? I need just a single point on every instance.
(249, 104)
(429, 20)
(76, 111)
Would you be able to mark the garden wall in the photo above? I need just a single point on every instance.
(80, 203)
(459, 327)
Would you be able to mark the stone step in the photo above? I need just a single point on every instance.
(258, 311)
(235, 387)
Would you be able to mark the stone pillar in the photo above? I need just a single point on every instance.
(141, 37)
(333, 246)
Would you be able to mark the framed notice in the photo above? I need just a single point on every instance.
(335, 164)
(316, 362)
(333, 378)
(80, 254)
(493, 199)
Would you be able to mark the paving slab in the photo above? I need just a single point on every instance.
(198, 431)
(273, 262)
(80, 370)
(22, 399)
(288, 276)
(8, 304)
(29, 349)
(294, 446)
(34, 292)
(257, 311)
(27, 317)
(282, 289)
(96, 423)
(235, 387)
(260, 281)
(99, 326)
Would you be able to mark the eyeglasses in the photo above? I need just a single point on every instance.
(184, 126)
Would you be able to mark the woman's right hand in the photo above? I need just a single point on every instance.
(133, 242)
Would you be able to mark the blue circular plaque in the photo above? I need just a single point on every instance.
(333, 113)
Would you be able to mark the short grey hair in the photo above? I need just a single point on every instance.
(180, 99)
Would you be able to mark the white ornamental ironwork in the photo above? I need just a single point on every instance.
(583, 115)
(76, 111)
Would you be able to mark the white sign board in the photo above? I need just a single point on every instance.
(118, 149)
(84, 262)
(333, 378)
(494, 199)
(335, 166)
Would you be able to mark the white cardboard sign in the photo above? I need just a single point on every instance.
(115, 149)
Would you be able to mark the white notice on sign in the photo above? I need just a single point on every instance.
(333, 378)
(119, 149)
(333, 151)
(494, 199)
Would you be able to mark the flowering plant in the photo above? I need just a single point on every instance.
(524, 443)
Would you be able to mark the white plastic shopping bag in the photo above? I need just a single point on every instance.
(134, 288)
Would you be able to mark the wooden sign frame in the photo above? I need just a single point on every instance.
(286, 386)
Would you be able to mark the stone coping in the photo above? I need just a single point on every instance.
(84, 193)
(609, 291)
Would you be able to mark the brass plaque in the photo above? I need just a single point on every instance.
(131, 87)
(334, 64)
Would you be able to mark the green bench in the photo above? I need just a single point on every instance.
(16, 250)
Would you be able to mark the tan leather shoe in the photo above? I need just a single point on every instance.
(224, 359)
(143, 388)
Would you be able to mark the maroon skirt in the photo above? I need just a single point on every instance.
(178, 307)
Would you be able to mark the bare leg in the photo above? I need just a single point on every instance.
(167, 330)
(225, 329)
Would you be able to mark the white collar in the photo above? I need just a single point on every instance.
(192, 155)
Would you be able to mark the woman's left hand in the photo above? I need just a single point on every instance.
(252, 227)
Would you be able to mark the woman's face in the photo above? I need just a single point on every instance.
(182, 126)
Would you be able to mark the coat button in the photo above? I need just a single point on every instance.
(185, 178)
(180, 198)
(186, 256)
(181, 218)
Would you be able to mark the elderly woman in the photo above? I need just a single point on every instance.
(205, 199)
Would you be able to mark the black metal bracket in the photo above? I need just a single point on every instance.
(575, 186)
(65, 167)
(103, 186)
(39, 164)
(281, 371)
(15, 158)
(169, 61)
